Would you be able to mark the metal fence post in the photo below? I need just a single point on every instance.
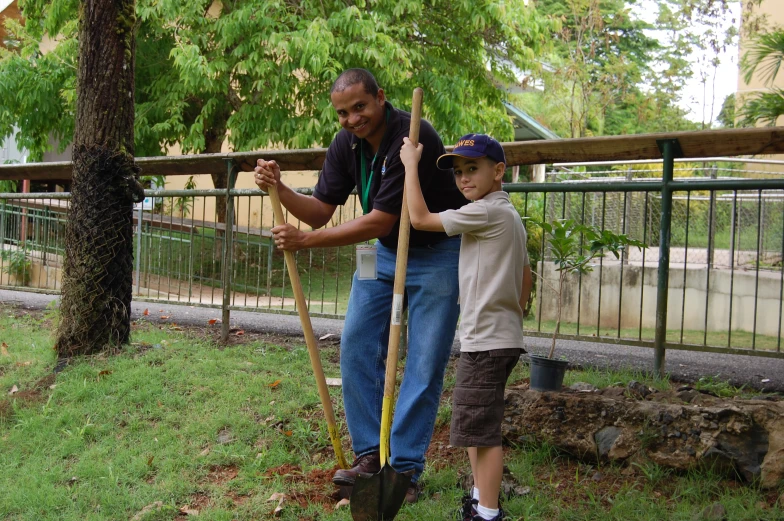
(627, 210)
(228, 250)
(670, 148)
(733, 228)
(712, 221)
(139, 231)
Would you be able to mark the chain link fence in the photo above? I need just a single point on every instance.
(726, 272)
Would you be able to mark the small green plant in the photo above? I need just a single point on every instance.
(184, 205)
(573, 246)
(16, 264)
(717, 386)
(653, 473)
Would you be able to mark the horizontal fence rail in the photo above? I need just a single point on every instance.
(711, 277)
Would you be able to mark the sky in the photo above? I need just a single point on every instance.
(726, 81)
(726, 78)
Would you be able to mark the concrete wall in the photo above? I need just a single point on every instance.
(639, 288)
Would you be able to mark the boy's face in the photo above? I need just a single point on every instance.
(360, 113)
(477, 177)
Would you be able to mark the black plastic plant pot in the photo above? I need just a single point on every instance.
(547, 374)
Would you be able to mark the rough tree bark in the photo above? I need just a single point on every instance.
(97, 275)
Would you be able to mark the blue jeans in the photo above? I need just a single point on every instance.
(432, 291)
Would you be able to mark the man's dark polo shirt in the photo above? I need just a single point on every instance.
(342, 173)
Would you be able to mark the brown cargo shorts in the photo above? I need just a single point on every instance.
(478, 398)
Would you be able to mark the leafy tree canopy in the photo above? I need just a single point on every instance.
(614, 73)
(259, 71)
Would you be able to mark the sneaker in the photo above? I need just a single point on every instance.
(364, 466)
(477, 517)
(467, 511)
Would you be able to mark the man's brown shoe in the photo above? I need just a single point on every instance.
(412, 494)
(365, 466)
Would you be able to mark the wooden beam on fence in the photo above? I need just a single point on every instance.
(705, 143)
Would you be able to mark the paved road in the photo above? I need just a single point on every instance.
(686, 366)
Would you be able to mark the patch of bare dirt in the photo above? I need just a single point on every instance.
(313, 487)
(220, 475)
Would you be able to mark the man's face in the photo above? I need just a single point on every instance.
(360, 113)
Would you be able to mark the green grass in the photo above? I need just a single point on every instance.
(325, 273)
(177, 419)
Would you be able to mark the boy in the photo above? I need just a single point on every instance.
(495, 281)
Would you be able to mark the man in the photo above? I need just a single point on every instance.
(365, 155)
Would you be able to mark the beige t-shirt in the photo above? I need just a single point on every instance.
(492, 258)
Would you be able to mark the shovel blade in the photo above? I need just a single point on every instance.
(380, 496)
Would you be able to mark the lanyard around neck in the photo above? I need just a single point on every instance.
(367, 178)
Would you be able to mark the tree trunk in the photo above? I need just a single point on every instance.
(213, 141)
(98, 268)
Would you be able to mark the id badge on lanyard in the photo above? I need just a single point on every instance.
(367, 262)
(367, 254)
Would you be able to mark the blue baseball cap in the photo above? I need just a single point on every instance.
(473, 146)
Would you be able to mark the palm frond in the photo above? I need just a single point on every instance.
(766, 54)
(764, 107)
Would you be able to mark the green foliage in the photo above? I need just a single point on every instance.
(601, 53)
(726, 116)
(763, 108)
(16, 264)
(259, 72)
(184, 205)
(572, 247)
(764, 58)
(610, 76)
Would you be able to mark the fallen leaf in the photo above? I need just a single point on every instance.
(288, 433)
(328, 335)
(4, 349)
(13, 390)
(149, 461)
(240, 332)
(274, 384)
(24, 364)
(188, 511)
(280, 498)
(160, 311)
(212, 321)
(176, 328)
(205, 452)
(343, 503)
(104, 372)
(143, 512)
(164, 317)
(146, 312)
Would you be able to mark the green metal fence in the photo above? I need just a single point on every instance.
(712, 277)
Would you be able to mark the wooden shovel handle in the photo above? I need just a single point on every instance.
(398, 291)
(310, 338)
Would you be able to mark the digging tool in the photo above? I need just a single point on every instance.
(310, 338)
(380, 496)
